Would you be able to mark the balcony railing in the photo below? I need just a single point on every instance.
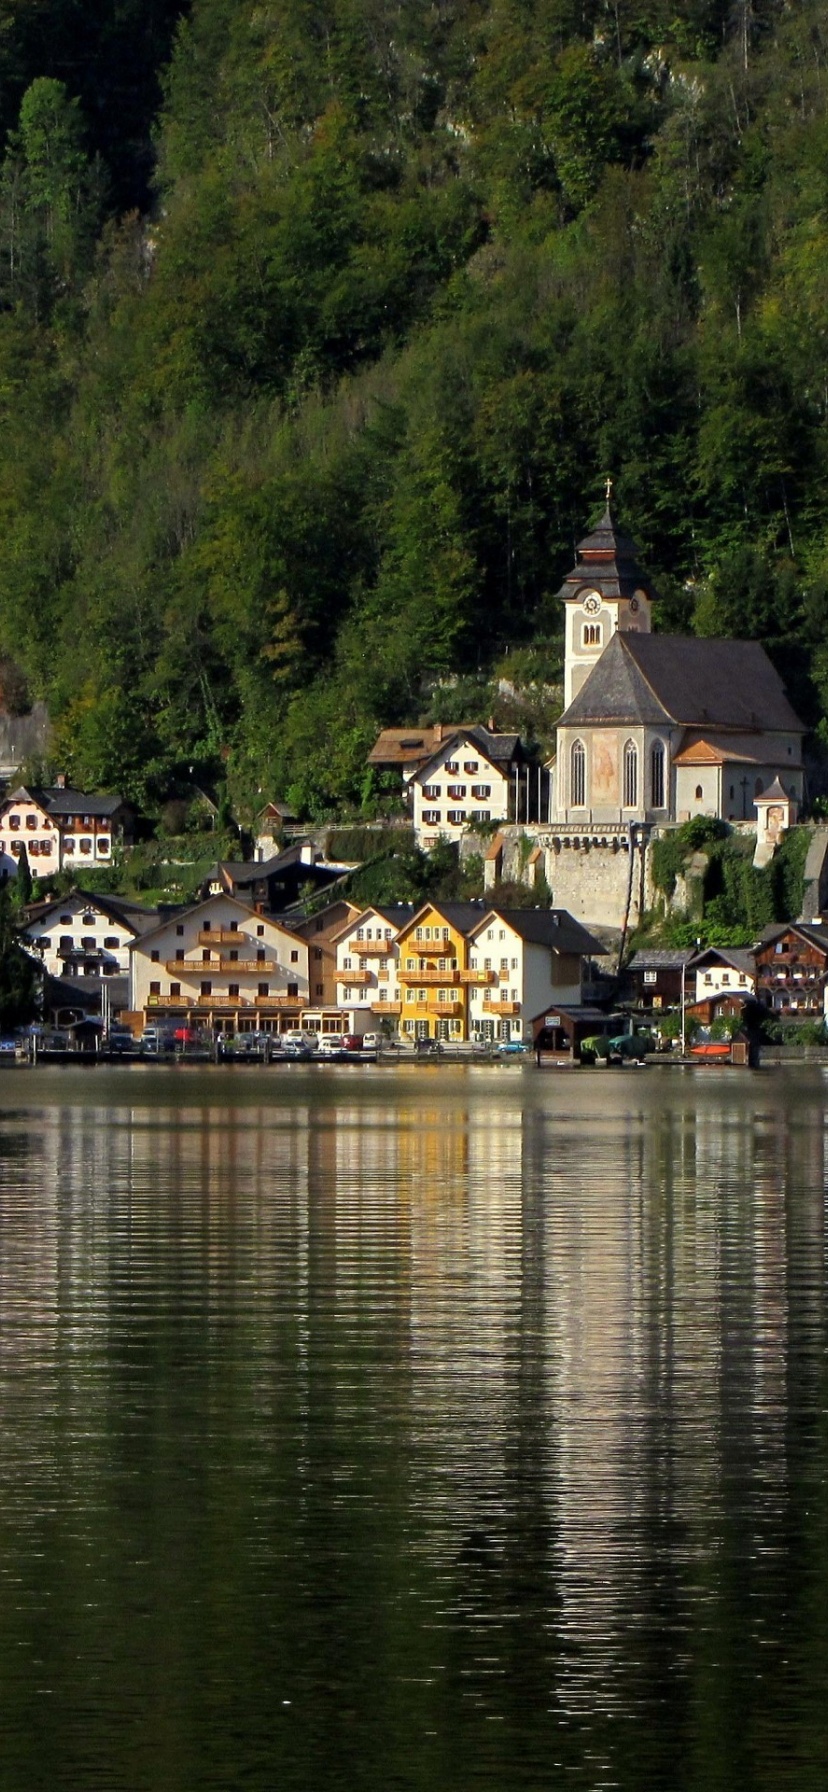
(386, 1007)
(445, 1007)
(170, 1001)
(427, 948)
(491, 1005)
(358, 978)
(371, 948)
(478, 977)
(222, 936)
(200, 967)
(412, 978)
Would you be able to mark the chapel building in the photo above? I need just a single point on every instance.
(661, 728)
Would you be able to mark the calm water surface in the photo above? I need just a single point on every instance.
(429, 1429)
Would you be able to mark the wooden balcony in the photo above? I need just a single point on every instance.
(371, 948)
(412, 979)
(427, 948)
(492, 1005)
(452, 1008)
(386, 1007)
(286, 1004)
(357, 979)
(170, 1001)
(478, 977)
(194, 968)
(222, 936)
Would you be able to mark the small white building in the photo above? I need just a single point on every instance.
(722, 970)
(469, 778)
(60, 829)
(80, 935)
(367, 965)
(524, 960)
(221, 964)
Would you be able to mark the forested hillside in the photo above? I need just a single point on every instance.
(323, 321)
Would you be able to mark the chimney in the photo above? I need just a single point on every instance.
(60, 781)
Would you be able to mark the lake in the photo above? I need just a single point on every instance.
(432, 1429)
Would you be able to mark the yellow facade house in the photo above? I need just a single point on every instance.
(220, 964)
(434, 974)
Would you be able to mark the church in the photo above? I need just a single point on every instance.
(661, 728)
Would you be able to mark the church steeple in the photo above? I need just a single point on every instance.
(605, 591)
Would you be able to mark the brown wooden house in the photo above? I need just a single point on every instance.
(791, 965)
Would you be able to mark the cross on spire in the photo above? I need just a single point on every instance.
(609, 490)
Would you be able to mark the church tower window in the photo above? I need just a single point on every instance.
(577, 775)
(657, 774)
(630, 775)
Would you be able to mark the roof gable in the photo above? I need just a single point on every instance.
(127, 914)
(499, 750)
(616, 691)
(207, 902)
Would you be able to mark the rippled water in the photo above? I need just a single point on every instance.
(427, 1429)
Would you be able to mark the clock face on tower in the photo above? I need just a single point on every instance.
(633, 604)
(592, 603)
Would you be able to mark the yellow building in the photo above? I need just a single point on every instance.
(434, 974)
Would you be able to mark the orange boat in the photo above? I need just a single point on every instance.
(714, 1048)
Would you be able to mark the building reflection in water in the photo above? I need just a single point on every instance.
(563, 1304)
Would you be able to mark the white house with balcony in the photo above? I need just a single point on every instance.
(221, 964)
(367, 965)
(60, 829)
(80, 935)
(525, 960)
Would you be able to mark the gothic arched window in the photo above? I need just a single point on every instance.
(630, 775)
(657, 774)
(577, 775)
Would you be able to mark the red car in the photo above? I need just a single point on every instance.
(352, 1042)
(185, 1036)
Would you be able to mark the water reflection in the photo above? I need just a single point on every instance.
(432, 1430)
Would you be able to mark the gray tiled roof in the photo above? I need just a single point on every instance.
(738, 957)
(667, 960)
(500, 749)
(654, 679)
(607, 561)
(552, 927)
(79, 802)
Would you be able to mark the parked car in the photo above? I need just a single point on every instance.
(185, 1036)
(299, 1036)
(155, 1040)
(331, 1045)
(353, 1042)
(428, 1046)
(511, 1048)
(121, 1040)
(374, 1042)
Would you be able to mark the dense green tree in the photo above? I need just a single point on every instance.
(19, 975)
(312, 435)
